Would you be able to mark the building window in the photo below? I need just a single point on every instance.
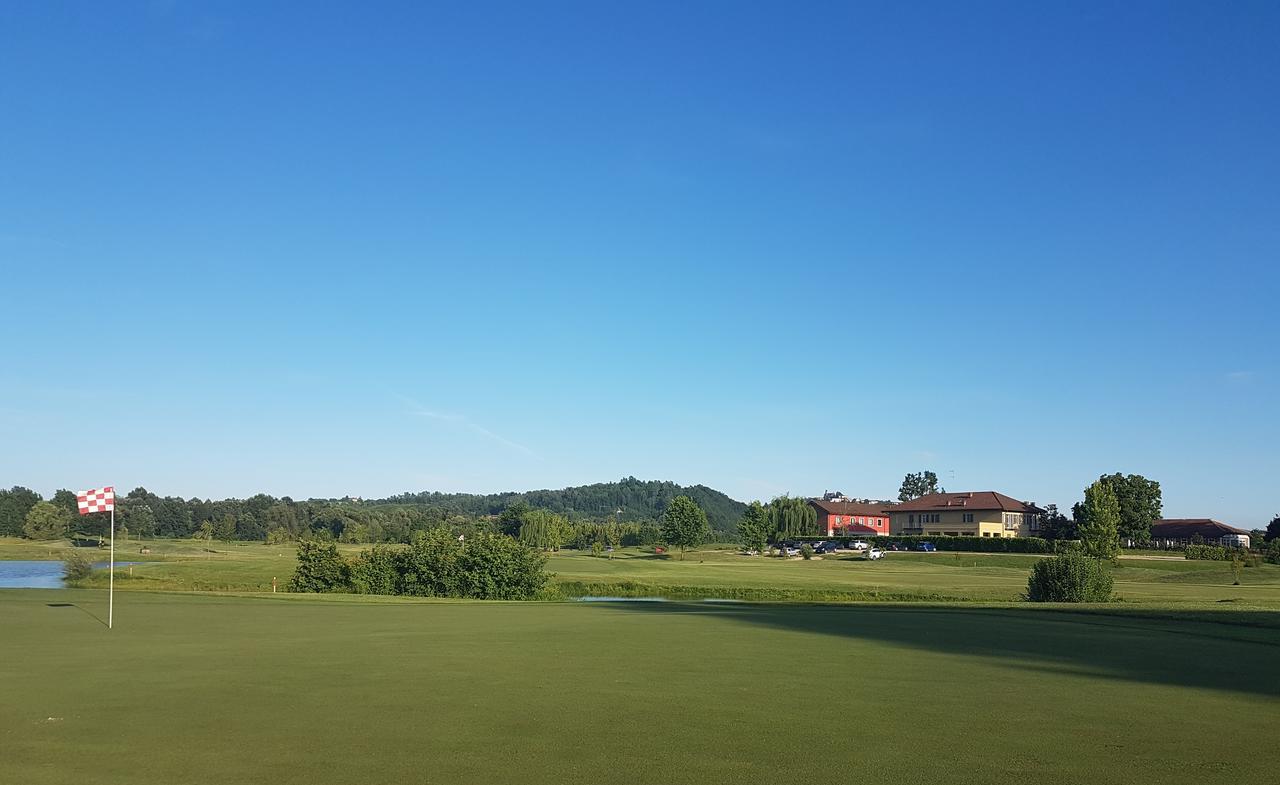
(968, 517)
(911, 519)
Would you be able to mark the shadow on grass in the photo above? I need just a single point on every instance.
(1201, 650)
(85, 611)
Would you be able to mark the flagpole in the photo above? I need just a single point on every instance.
(111, 582)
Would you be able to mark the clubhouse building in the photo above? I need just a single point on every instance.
(838, 516)
(968, 514)
(1174, 532)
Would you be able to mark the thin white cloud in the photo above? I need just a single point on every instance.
(464, 422)
(1241, 376)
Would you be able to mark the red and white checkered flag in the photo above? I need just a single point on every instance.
(97, 500)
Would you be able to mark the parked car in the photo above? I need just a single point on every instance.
(875, 553)
(893, 546)
(859, 545)
(926, 546)
(825, 547)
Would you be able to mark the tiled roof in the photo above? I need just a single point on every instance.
(970, 500)
(850, 508)
(1186, 528)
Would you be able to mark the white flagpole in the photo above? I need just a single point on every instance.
(111, 582)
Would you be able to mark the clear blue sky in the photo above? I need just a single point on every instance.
(320, 249)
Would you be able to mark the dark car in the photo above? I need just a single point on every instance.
(825, 547)
(926, 546)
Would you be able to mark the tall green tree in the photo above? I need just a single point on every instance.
(792, 516)
(1100, 521)
(1140, 504)
(1273, 529)
(512, 517)
(919, 484)
(544, 530)
(15, 503)
(684, 524)
(66, 500)
(46, 521)
(753, 528)
(1056, 526)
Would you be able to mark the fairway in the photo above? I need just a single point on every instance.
(198, 688)
(191, 565)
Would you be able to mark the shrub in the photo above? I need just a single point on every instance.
(277, 535)
(1210, 552)
(1069, 578)
(493, 567)
(76, 566)
(806, 551)
(976, 544)
(320, 568)
(376, 571)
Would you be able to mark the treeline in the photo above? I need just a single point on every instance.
(587, 513)
(641, 501)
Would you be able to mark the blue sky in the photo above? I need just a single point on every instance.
(319, 249)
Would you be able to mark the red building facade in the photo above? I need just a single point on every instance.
(850, 519)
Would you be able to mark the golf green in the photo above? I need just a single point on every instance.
(198, 689)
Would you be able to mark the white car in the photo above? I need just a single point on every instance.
(859, 545)
(875, 553)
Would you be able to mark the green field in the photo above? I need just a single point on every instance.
(193, 688)
(192, 565)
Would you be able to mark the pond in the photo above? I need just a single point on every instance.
(38, 574)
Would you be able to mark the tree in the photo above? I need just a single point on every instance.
(791, 516)
(919, 484)
(15, 503)
(1056, 526)
(754, 527)
(544, 530)
(511, 518)
(45, 521)
(1100, 521)
(66, 500)
(1273, 529)
(225, 529)
(320, 568)
(684, 524)
(1140, 504)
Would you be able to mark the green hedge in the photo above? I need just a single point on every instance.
(974, 544)
(1212, 552)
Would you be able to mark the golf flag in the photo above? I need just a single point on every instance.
(96, 500)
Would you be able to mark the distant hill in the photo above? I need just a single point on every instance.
(639, 500)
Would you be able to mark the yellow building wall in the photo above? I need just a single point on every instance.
(985, 522)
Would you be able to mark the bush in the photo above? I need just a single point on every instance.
(806, 551)
(1069, 578)
(975, 544)
(320, 568)
(493, 567)
(76, 566)
(1210, 552)
(376, 571)
(436, 564)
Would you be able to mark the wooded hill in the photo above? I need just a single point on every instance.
(639, 500)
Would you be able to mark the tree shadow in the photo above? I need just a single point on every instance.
(85, 611)
(1219, 650)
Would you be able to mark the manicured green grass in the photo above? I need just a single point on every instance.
(190, 565)
(194, 688)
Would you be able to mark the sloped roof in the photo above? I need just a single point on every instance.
(969, 500)
(850, 508)
(1186, 528)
